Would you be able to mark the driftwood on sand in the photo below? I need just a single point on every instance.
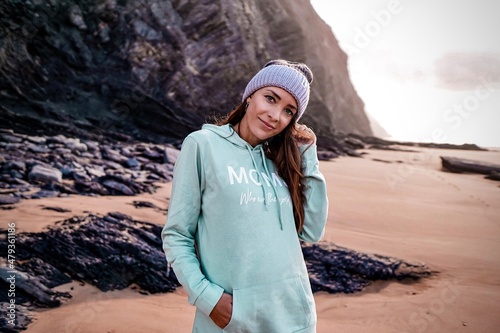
(455, 164)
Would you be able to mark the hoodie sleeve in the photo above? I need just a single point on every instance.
(178, 235)
(316, 200)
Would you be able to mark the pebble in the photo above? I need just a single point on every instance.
(44, 174)
(8, 200)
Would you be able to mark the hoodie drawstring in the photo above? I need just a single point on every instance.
(258, 175)
(263, 155)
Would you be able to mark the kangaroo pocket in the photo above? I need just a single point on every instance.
(282, 306)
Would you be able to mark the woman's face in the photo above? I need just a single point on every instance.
(269, 111)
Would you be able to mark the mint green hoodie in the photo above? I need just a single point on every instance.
(228, 200)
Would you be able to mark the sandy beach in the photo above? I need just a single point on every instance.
(393, 203)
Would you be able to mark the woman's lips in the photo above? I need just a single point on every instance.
(267, 125)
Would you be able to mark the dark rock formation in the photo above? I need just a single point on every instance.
(8, 200)
(23, 318)
(28, 285)
(336, 269)
(115, 251)
(110, 252)
(341, 145)
(372, 142)
(29, 291)
(155, 70)
(68, 166)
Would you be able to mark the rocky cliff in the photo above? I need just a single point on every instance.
(157, 69)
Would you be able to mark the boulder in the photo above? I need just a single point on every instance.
(170, 155)
(45, 174)
(92, 145)
(113, 155)
(37, 139)
(8, 200)
(14, 165)
(75, 145)
(117, 187)
(37, 149)
(57, 139)
(10, 138)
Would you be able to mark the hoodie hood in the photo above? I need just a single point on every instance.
(227, 132)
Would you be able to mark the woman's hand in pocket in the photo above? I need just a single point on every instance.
(223, 310)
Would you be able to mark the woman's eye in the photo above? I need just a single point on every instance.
(270, 98)
(289, 112)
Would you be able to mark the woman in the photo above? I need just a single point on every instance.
(244, 192)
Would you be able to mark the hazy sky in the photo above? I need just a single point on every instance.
(426, 70)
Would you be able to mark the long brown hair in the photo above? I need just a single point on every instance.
(283, 150)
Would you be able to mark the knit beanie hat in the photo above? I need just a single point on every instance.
(294, 77)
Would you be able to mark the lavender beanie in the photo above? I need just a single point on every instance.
(294, 77)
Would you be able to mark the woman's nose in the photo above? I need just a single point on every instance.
(273, 113)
